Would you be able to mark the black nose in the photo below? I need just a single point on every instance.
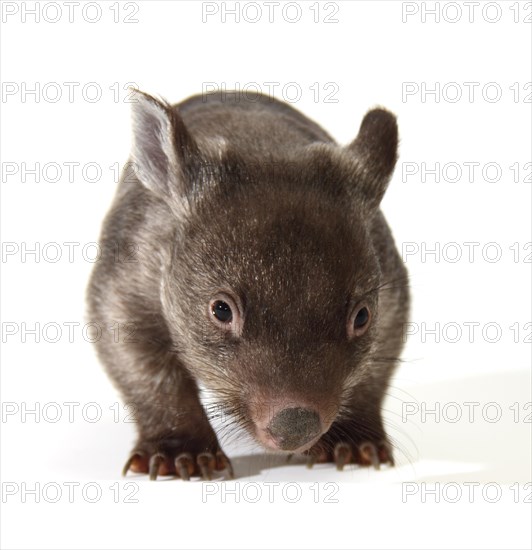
(292, 428)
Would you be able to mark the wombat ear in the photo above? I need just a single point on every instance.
(375, 148)
(163, 149)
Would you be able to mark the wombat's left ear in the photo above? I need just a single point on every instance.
(375, 148)
(163, 150)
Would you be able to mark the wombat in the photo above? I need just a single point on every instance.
(246, 253)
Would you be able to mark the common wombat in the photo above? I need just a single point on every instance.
(265, 272)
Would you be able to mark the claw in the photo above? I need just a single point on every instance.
(184, 466)
(386, 454)
(224, 464)
(127, 465)
(369, 454)
(206, 464)
(342, 455)
(155, 461)
(289, 457)
(311, 460)
(129, 462)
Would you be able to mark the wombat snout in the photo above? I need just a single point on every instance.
(293, 427)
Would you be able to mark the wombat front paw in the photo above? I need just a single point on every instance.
(367, 453)
(174, 457)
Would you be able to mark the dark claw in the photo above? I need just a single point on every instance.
(311, 460)
(289, 457)
(369, 454)
(206, 464)
(129, 462)
(155, 461)
(224, 464)
(385, 453)
(342, 455)
(127, 465)
(184, 466)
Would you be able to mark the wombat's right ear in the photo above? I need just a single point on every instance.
(375, 150)
(163, 149)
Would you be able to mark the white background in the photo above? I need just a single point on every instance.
(371, 55)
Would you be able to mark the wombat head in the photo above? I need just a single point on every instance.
(271, 287)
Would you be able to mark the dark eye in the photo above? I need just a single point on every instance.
(225, 311)
(359, 321)
(222, 311)
(362, 317)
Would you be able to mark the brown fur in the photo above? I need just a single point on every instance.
(247, 194)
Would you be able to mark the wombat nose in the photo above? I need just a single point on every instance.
(291, 428)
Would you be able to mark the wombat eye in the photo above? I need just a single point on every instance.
(225, 311)
(359, 321)
(222, 311)
(362, 317)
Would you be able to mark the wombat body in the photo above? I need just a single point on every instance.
(246, 253)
